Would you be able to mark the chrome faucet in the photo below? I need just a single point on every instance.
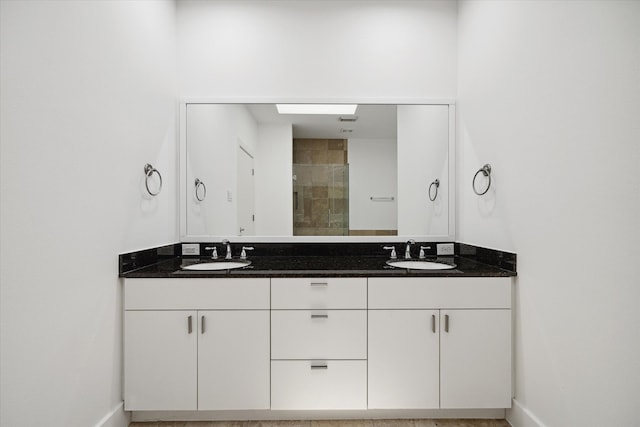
(243, 254)
(214, 254)
(422, 255)
(393, 251)
(226, 242)
(407, 251)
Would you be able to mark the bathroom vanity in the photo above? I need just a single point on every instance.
(318, 325)
(270, 342)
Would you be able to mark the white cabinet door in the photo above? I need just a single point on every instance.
(160, 350)
(403, 359)
(233, 360)
(475, 359)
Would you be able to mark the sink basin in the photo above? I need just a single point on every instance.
(216, 265)
(415, 264)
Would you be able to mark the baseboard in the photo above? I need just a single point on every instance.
(116, 418)
(269, 415)
(521, 416)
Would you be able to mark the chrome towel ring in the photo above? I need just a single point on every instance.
(199, 184)
(435, 184)
(486, 171)
(149, 171)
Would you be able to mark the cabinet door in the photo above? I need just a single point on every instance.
(160, 351)
(403, 359)
(233, 360)
(475, 359)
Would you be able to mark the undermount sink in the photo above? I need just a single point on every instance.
(216, 265)
(415, 264)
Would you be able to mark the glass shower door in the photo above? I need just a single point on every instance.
(320, 200)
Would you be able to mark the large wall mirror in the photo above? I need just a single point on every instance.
(316, 172)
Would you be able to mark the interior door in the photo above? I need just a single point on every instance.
(245, 195)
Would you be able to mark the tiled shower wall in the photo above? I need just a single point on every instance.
(321, 187)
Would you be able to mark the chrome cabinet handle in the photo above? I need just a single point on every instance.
(319, 284)
(446, 323)
(319, 316)
(319, 365)
(433, 323)
(190, 324)
(202, 325)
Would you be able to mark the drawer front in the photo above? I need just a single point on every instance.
(196, 294)
(319, 334)
(319, 293)
(435, 293)
(304, 384)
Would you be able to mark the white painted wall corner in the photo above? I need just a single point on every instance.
(520, 416)
(116, 418)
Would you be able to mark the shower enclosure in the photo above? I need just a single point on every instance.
(320, 199)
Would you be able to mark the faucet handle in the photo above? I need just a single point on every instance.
(394, 255)
(214, 254)
(422, 248)
(243, 254)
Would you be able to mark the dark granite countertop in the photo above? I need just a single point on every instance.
(318, 266)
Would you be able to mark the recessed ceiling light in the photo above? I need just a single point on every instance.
(316, 108)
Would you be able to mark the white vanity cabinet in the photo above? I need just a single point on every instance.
(439, 343)
(196, 344)
(318, 343)
(403, 359)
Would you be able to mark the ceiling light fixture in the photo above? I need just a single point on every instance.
(316, 108)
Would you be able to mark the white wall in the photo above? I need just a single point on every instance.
(373, 172)
(214, 133)
(423, 157)
(87, 98)
(316, 48)
(274, 180)
(549, 94)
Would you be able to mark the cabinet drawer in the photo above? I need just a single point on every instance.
(321, 334)
(304, 384)
(448, 292)
(318, 293)
(196, 294)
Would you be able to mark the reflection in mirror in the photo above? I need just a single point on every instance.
(270, 174)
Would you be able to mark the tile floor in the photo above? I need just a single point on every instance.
(332, 423)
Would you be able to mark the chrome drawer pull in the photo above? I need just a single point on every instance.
(190, 324)
(202, 327)
(446, 323)
(433, 323)
(319, 284)
(319, 316)
(319, 366)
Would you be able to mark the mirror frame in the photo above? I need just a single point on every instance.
(182, 170)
